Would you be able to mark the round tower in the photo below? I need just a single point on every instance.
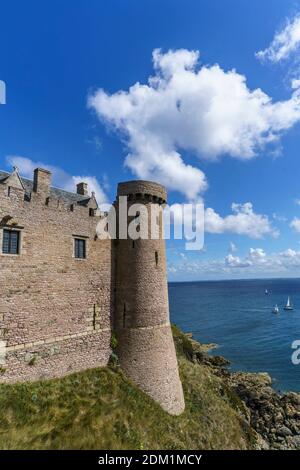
(145, 344)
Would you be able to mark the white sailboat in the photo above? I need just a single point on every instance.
(266, 292)
(275, 309)
(288, 305)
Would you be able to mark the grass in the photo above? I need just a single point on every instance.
(102, 409)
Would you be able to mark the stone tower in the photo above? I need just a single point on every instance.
(145, 344)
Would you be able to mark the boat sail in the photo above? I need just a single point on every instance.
(288, 305)
(266, 292)
(275, 309)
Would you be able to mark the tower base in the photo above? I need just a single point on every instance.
(147, 355)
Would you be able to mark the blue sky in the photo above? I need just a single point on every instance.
(58, 55)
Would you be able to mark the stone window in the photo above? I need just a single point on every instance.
(156, 258)
(11, 242)
(80, 248)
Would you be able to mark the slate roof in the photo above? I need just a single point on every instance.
(57, 193)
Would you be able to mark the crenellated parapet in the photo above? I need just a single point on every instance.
(146, 191)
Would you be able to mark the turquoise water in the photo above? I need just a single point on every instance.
(237, 315)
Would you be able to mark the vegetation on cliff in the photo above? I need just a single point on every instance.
(102, 409)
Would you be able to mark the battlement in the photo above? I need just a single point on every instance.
(143, 190)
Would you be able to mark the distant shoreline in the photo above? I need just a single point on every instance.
(238, 280)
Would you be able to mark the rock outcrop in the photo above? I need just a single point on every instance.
(274, 417)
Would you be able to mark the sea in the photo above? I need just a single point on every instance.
(237, 316)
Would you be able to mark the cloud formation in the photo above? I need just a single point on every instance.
(60, 178)
(243, 221)
(236, 262)
(256, 263)
(285, 42)
(295, 224)
(186, 109)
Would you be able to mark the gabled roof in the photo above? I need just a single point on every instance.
(57, 193)
(13, 179)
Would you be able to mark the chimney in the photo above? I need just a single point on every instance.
(82, 188)
(41, 181)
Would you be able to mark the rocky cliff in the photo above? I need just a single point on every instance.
(274, 417)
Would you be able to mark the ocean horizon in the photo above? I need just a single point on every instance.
(236, 314)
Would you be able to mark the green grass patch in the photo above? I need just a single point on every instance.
(102, 409)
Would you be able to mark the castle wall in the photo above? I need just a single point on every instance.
(55, 310)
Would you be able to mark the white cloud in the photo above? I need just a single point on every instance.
(257, 254)
(236, 262)
(60, 178)
(295, 224)
(259, 260)
(256, 263)
(285, 42)
(290, 258)
(204, 110)
(243, 221)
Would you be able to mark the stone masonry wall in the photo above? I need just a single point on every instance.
(145, 343)
(55, 310)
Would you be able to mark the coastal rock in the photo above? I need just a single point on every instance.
(274, 418)
(295, 441)
(261, 444)
(284, 431)
(218, 361)
(293, 398)
(199, 353)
